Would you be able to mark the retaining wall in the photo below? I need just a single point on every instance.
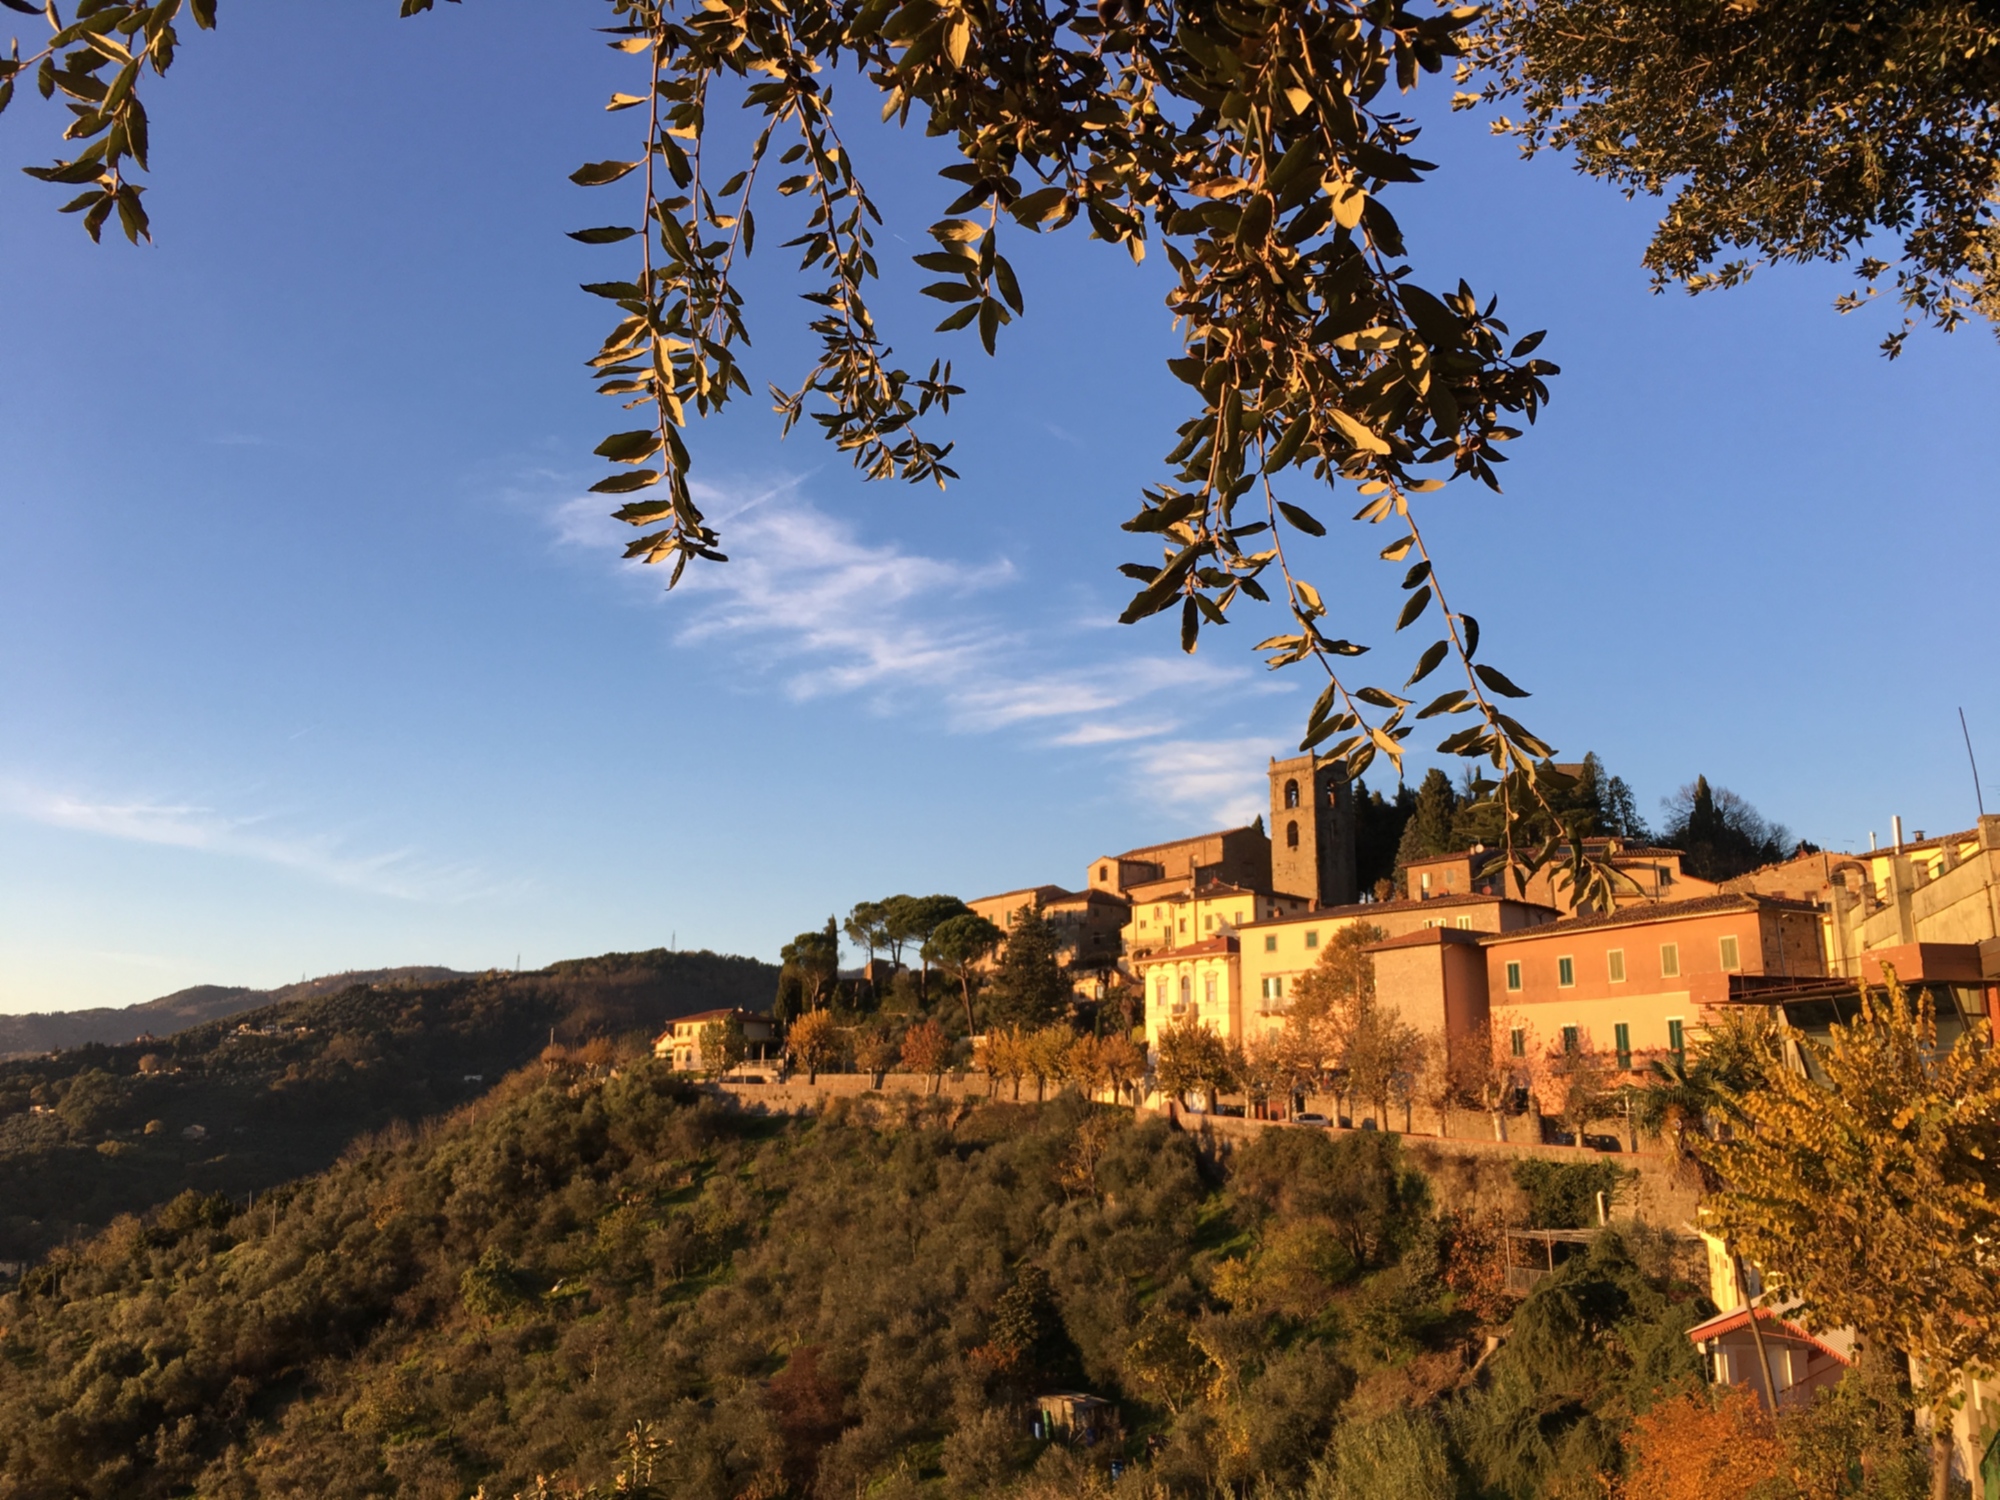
(1469, 1170)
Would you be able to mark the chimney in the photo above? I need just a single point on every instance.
(1896, 829)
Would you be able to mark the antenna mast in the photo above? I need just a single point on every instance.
(1977, 796)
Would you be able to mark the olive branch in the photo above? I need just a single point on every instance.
(1250, 139)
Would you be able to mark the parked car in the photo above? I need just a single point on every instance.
(1309, 1118)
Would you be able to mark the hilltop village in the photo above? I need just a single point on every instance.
(1220, 929)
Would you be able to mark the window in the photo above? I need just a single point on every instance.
(1424, 882)
(1159, 989)
(1208, 989)
(1291, 794)
(1104, 873)
(1430, 922)
(1208, 922)
(1292, 834)
(1187, 989)
(1623, 1034)
(1614, 963)
(1565, 972)
(1670, 960)
(1731, 959)
(1465, 924)
(1514, 976)
(1572, 1039)
(1270, 942)
(1666, 876)
(1517, 1042)
(1676, 1039)
(1312, 937)
(1183, 924)
(1274, 987)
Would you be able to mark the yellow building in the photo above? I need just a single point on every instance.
(1194, 982)
(1183, 918)
(1252, 963)
(680, 1043)
(1277, 952)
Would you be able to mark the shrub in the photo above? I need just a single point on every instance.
(1401, 1454)
(1563, 1195)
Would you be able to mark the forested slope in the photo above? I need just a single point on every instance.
(831, 1306)
(51, 1031)
(243, 1104)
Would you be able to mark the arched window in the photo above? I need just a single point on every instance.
(1104, 872)
(1187, 989)
(1291, 794)
(1292, 835)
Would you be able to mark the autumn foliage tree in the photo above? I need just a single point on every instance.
(1698, 1446)
(1121, 1061)
(1192, 1060)
(1873, 1191)
(926, 1050)
(813, 1043)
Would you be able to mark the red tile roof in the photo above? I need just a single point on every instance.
(1193, 838)
(1370, 908)
(1729, 1322)
(1656, 911)
(717, 1015)
(1427, 937)
(1206, 948)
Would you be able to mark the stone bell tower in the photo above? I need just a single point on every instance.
(1312, 831)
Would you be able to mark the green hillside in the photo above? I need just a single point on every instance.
(240, 1105)
(51, 1031)
(827, 1307)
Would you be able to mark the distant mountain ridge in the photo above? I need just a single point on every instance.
(52, 1031)
(278, 1089)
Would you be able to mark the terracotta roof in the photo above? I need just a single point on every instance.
(1729, 1322)
(716, 1015)
(1427, 937)
(1206, 948)
(1202, 892)
(1370, 908)
(1193, 838)
(1038, 891)
(1595, 845)
(1655, 911)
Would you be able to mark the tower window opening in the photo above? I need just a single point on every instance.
(1292, 834)
(1291, 794)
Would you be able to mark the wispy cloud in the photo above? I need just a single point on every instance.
(400, 873)
(808, 602)
(1112, 734)
(834, 614)
(1221, 777)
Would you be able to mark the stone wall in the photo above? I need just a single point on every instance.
(1468, 1168)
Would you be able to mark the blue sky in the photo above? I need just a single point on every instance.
(314, 655)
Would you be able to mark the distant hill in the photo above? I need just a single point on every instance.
(51, 1031)
(261, 1096)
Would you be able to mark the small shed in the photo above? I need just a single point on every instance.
(1075, 1416)
(1801, 1362)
